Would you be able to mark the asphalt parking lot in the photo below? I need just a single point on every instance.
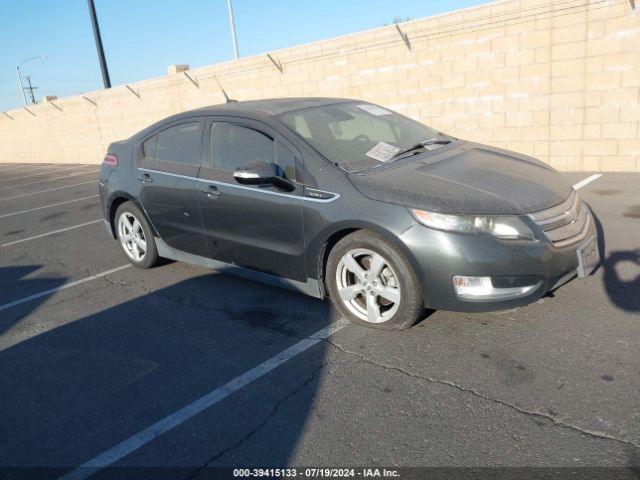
(93, 353)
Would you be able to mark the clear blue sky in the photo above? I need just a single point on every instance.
(142, 37)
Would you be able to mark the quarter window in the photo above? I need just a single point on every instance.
(180, 143)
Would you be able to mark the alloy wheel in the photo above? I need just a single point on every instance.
(368, 285)
(131, 235)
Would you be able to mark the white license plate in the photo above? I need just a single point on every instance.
(588, 257)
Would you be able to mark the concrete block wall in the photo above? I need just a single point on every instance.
(557, 79)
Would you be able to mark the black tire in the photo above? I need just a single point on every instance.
(399, 275)
(150, 257)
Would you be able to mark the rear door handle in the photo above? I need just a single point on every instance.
(146, 178)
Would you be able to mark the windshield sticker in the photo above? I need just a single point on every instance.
(374, 109)
(382, 152)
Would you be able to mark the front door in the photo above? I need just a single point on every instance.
(167, 169)
(257, 227)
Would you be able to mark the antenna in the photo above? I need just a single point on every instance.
(226, 97)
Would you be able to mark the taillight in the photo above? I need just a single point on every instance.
(110, 160)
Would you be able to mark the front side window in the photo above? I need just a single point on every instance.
(355, 135)
(235, 146)
(180, 143)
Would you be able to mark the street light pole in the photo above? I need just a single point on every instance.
(24, 97)
(233, 30)
(98, 38)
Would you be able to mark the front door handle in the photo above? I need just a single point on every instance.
(212, 192)
(146, 178)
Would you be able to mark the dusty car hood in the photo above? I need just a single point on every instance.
(466, 178)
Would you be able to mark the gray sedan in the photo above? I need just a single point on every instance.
(347, 199)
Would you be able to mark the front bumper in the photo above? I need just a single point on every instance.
(440, 256)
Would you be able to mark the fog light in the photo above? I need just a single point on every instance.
(482, 289)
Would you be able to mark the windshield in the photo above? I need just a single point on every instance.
(357, 135)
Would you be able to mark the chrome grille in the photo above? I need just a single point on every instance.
(565, 223)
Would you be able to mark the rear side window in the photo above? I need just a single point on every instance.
(233, 146)
(149, 148)
(178, 144)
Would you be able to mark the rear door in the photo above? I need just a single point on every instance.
(253, 226)
(168, 165)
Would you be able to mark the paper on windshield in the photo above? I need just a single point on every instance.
(374, 109)
(382, 152)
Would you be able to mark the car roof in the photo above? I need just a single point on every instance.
(252, 109)
(270, 106)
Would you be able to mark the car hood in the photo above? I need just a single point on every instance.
(466, 178)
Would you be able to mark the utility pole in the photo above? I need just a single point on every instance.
(98, 38)
(233, 29)
(31, 88)
(22, 88)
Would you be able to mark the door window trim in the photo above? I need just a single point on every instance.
(243, 187)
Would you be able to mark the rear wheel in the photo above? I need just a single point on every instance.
(135, 236)
(372, 283)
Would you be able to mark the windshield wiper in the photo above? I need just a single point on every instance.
(418, 146)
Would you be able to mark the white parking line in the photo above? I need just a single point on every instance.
(169, 422)
(587, 180)
(48, 190)
(49, 180)
(25, 169)
(62, 287)
(42, 170)
(22, 240)
(13, 166)
(35, 164)
(46, 206)
(58, 170)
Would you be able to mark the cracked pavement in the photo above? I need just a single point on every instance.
(472, 391)
(555, 383)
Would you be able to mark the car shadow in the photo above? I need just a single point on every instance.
(79, 389)
(625, 294)
(602, 241)
(15, 284)
(622, 292)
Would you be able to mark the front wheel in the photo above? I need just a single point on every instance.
(372, 283)
(135, 236)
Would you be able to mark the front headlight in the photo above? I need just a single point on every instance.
(505, 227)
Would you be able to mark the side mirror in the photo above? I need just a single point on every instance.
(260, 172)
(254, 173)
